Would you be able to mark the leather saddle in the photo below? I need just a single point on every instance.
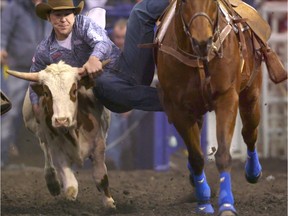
(258, 25)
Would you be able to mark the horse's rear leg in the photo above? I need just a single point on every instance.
(191, 136)
(250, 115)
(226, 111)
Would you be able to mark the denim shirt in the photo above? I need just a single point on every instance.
(88, 39)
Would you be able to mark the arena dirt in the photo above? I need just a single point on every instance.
(141, 192)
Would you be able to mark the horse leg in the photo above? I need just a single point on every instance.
(191, 176)
(250, 115)
(191, 136)
(226, 112)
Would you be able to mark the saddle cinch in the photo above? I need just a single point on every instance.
(249, 16)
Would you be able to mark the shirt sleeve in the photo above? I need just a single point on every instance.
(95, 36)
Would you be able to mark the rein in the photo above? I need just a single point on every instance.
(196, 60)
(211, 48)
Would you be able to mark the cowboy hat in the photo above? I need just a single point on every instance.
(43, 9)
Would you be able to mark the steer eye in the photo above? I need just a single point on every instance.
(46, 91)
(73, 92)
(46, 94)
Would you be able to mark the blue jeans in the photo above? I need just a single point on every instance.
(127, 87)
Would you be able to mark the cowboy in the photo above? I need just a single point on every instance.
(124, 83)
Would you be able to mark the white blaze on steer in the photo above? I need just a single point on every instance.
(60, 79)
(72, 126)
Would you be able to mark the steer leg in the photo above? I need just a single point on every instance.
(70, 183)
(100, 175)
(51, 177)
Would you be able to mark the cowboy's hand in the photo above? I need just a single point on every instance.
(92, 67)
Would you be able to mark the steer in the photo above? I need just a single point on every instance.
(71, 127)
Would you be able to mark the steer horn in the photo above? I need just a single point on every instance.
(25, 75)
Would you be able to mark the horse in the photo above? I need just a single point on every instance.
(206, 63)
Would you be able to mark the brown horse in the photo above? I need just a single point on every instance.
(204, 64)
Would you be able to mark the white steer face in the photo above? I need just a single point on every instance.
(57, 87)
(60, 97)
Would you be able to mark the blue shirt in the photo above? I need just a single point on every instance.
(88, 39)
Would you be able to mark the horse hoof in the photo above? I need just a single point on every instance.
(227, 213)
(227, 210)
(205, 209)
(253, 179)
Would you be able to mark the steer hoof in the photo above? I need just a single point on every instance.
(71, 193)
(52, 182)
(109, 203)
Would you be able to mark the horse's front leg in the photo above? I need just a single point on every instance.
(190, 133)
(250, 115)
(226, 112)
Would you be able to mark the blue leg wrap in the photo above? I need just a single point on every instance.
(226, 200)
(225, 195)
(203, 192)
(202, 188)
(253, 168)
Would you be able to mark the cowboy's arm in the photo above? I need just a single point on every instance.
(97, 39)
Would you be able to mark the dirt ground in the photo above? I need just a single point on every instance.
(140, 192)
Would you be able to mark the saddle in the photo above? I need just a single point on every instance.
(262, 30)
(258, 25)
(241, 14)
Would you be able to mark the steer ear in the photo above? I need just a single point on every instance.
(87, 82)
(34, 77)
(38, 89)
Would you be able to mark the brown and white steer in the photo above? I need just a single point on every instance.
(72, 126)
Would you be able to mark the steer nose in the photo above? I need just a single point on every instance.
(62, 121)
